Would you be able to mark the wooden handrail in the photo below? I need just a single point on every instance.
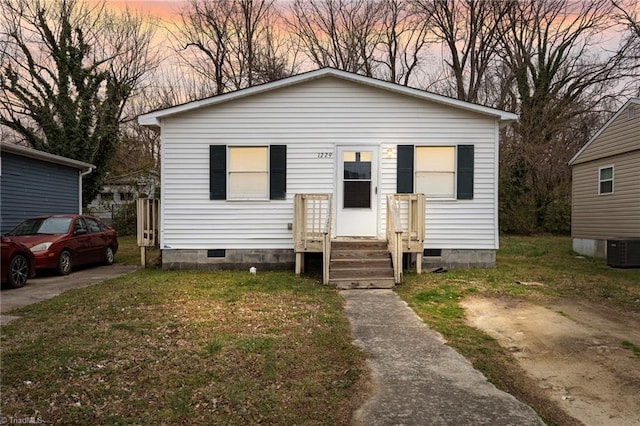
(147, 225)
(394, 237)
(411, 212)
(326, 243)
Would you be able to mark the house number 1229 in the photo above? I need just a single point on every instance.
(325, 154)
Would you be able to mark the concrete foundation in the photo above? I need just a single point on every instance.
(590, 247)
(233, 259)
(459, 259)
(279, 259)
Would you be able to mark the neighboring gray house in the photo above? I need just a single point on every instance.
(121, 191)
(234, 167)
(33, 183)
(606, 184)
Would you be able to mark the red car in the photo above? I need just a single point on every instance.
(63, 241)
(17, 263)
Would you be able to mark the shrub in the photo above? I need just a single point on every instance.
(124, 219)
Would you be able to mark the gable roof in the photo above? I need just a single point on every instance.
(44, 156)
(632, 101)
(153, 118)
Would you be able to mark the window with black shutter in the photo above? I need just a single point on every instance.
(247, 172)
(445, 172)
(404, 171)
(465, 172)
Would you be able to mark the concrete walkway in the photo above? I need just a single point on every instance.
(418, 379)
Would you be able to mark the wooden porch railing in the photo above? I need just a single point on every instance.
(312, 219)
(394, 237)
(406, 213)
(147, 225)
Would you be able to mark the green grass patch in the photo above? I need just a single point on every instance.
(633, 348)
(201, 347)
(129, 252)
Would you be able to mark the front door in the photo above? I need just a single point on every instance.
(357, 201)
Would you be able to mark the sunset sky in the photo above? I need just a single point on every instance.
(168, 14)
(166, 10)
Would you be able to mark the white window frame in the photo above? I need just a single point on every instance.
(230, 173)
(601, 181)
(454, 173)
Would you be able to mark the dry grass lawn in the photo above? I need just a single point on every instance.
(185, 347)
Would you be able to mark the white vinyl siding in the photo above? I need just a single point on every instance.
(312, 119)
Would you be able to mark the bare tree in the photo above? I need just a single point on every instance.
(403, 39)
(252, 17)
(469, 32)
(627, 14)
(233, 43)
(342, 34)
(560, 78)
(277, 56)
(67, 71)
(204, 38)
(138, 154)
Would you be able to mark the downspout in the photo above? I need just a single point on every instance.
(82, 174)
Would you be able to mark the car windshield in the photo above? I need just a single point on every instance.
(50, 225)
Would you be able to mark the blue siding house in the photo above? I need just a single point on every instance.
(34, 183)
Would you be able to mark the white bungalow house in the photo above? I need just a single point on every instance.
(254, 177)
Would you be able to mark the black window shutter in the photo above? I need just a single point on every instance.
(217, 172)
(404, 172)
(278, 172)
(465, 172)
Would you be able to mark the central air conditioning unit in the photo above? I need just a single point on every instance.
(623, 253)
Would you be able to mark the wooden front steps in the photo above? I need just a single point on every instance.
(360, 263)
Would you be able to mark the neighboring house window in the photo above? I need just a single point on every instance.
(606, 180)
(247, 172)
(436, 171)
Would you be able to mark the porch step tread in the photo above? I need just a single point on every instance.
(362, 260)
(362, 283)
(360, 264)
(359, 245)
(359, 254)
(367, 250)
(356, 274)
(334, 267)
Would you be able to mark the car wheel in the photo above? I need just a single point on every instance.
(108, 256)
(18, 271)
(64, 263)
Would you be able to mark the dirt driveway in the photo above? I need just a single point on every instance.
(573, 351)
(46, 287)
